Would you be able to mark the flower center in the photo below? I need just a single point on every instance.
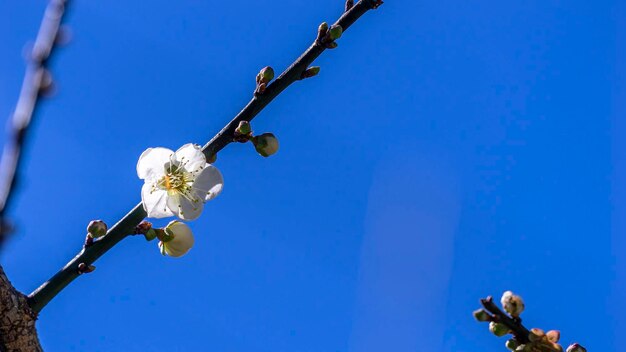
(176, 179)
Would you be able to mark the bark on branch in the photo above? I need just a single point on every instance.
(17, 319)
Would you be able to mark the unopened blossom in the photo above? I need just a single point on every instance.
(265, 144)
(178, 240)
(512, 303)
(177, 183)
(97, 228)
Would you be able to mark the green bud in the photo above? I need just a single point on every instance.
(511, 344)
(335, 32)
(576, 348)
(482, 315)
(265, 75)
(243, 128)
(97, 228)
(212, 159)
(498, 329)
(322, 29)
(332, 45)
(311, 71)
(265, 144)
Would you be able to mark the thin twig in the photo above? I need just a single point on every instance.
(46, 292)
(515, 325)
(37, 81)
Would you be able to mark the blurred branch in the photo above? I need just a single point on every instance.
(126, 226)
(37, 82)
(17, 319)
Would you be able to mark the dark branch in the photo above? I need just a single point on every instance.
(515, 325)
(37, 81)
(126, 226)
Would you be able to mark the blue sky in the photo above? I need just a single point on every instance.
(447, 151)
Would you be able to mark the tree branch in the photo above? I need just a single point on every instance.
(46, 292)
(37, 81)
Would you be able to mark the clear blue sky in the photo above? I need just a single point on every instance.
(448, 150)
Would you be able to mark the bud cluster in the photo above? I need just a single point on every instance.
(266, 144)
(326, 35)
(523, 340)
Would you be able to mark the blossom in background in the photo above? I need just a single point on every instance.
(177, 183)
(512, 303)
(178, 240)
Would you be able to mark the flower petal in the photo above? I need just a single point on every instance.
(185, 208)
(152, 161)
(155, 202)
(209, 183)
(192, 158)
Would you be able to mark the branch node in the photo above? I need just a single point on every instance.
(88, 241)
(85, 269)
(243, 132)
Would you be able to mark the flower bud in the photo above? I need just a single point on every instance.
(553, 336)
(322, 29)
(498, 329)
(243, 128)
(335, 32)
(310, 72)
(265, 144)
(512, 304)
(265, 75)
(482, 315)
(178, 241)
(576, 348)
(212, 159)
(97, 228)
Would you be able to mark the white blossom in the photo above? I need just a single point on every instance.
(177, 183)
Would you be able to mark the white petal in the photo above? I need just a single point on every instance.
(155, 202)
(192, 157)
(152, 161)
(209, 183)
(184, 208)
